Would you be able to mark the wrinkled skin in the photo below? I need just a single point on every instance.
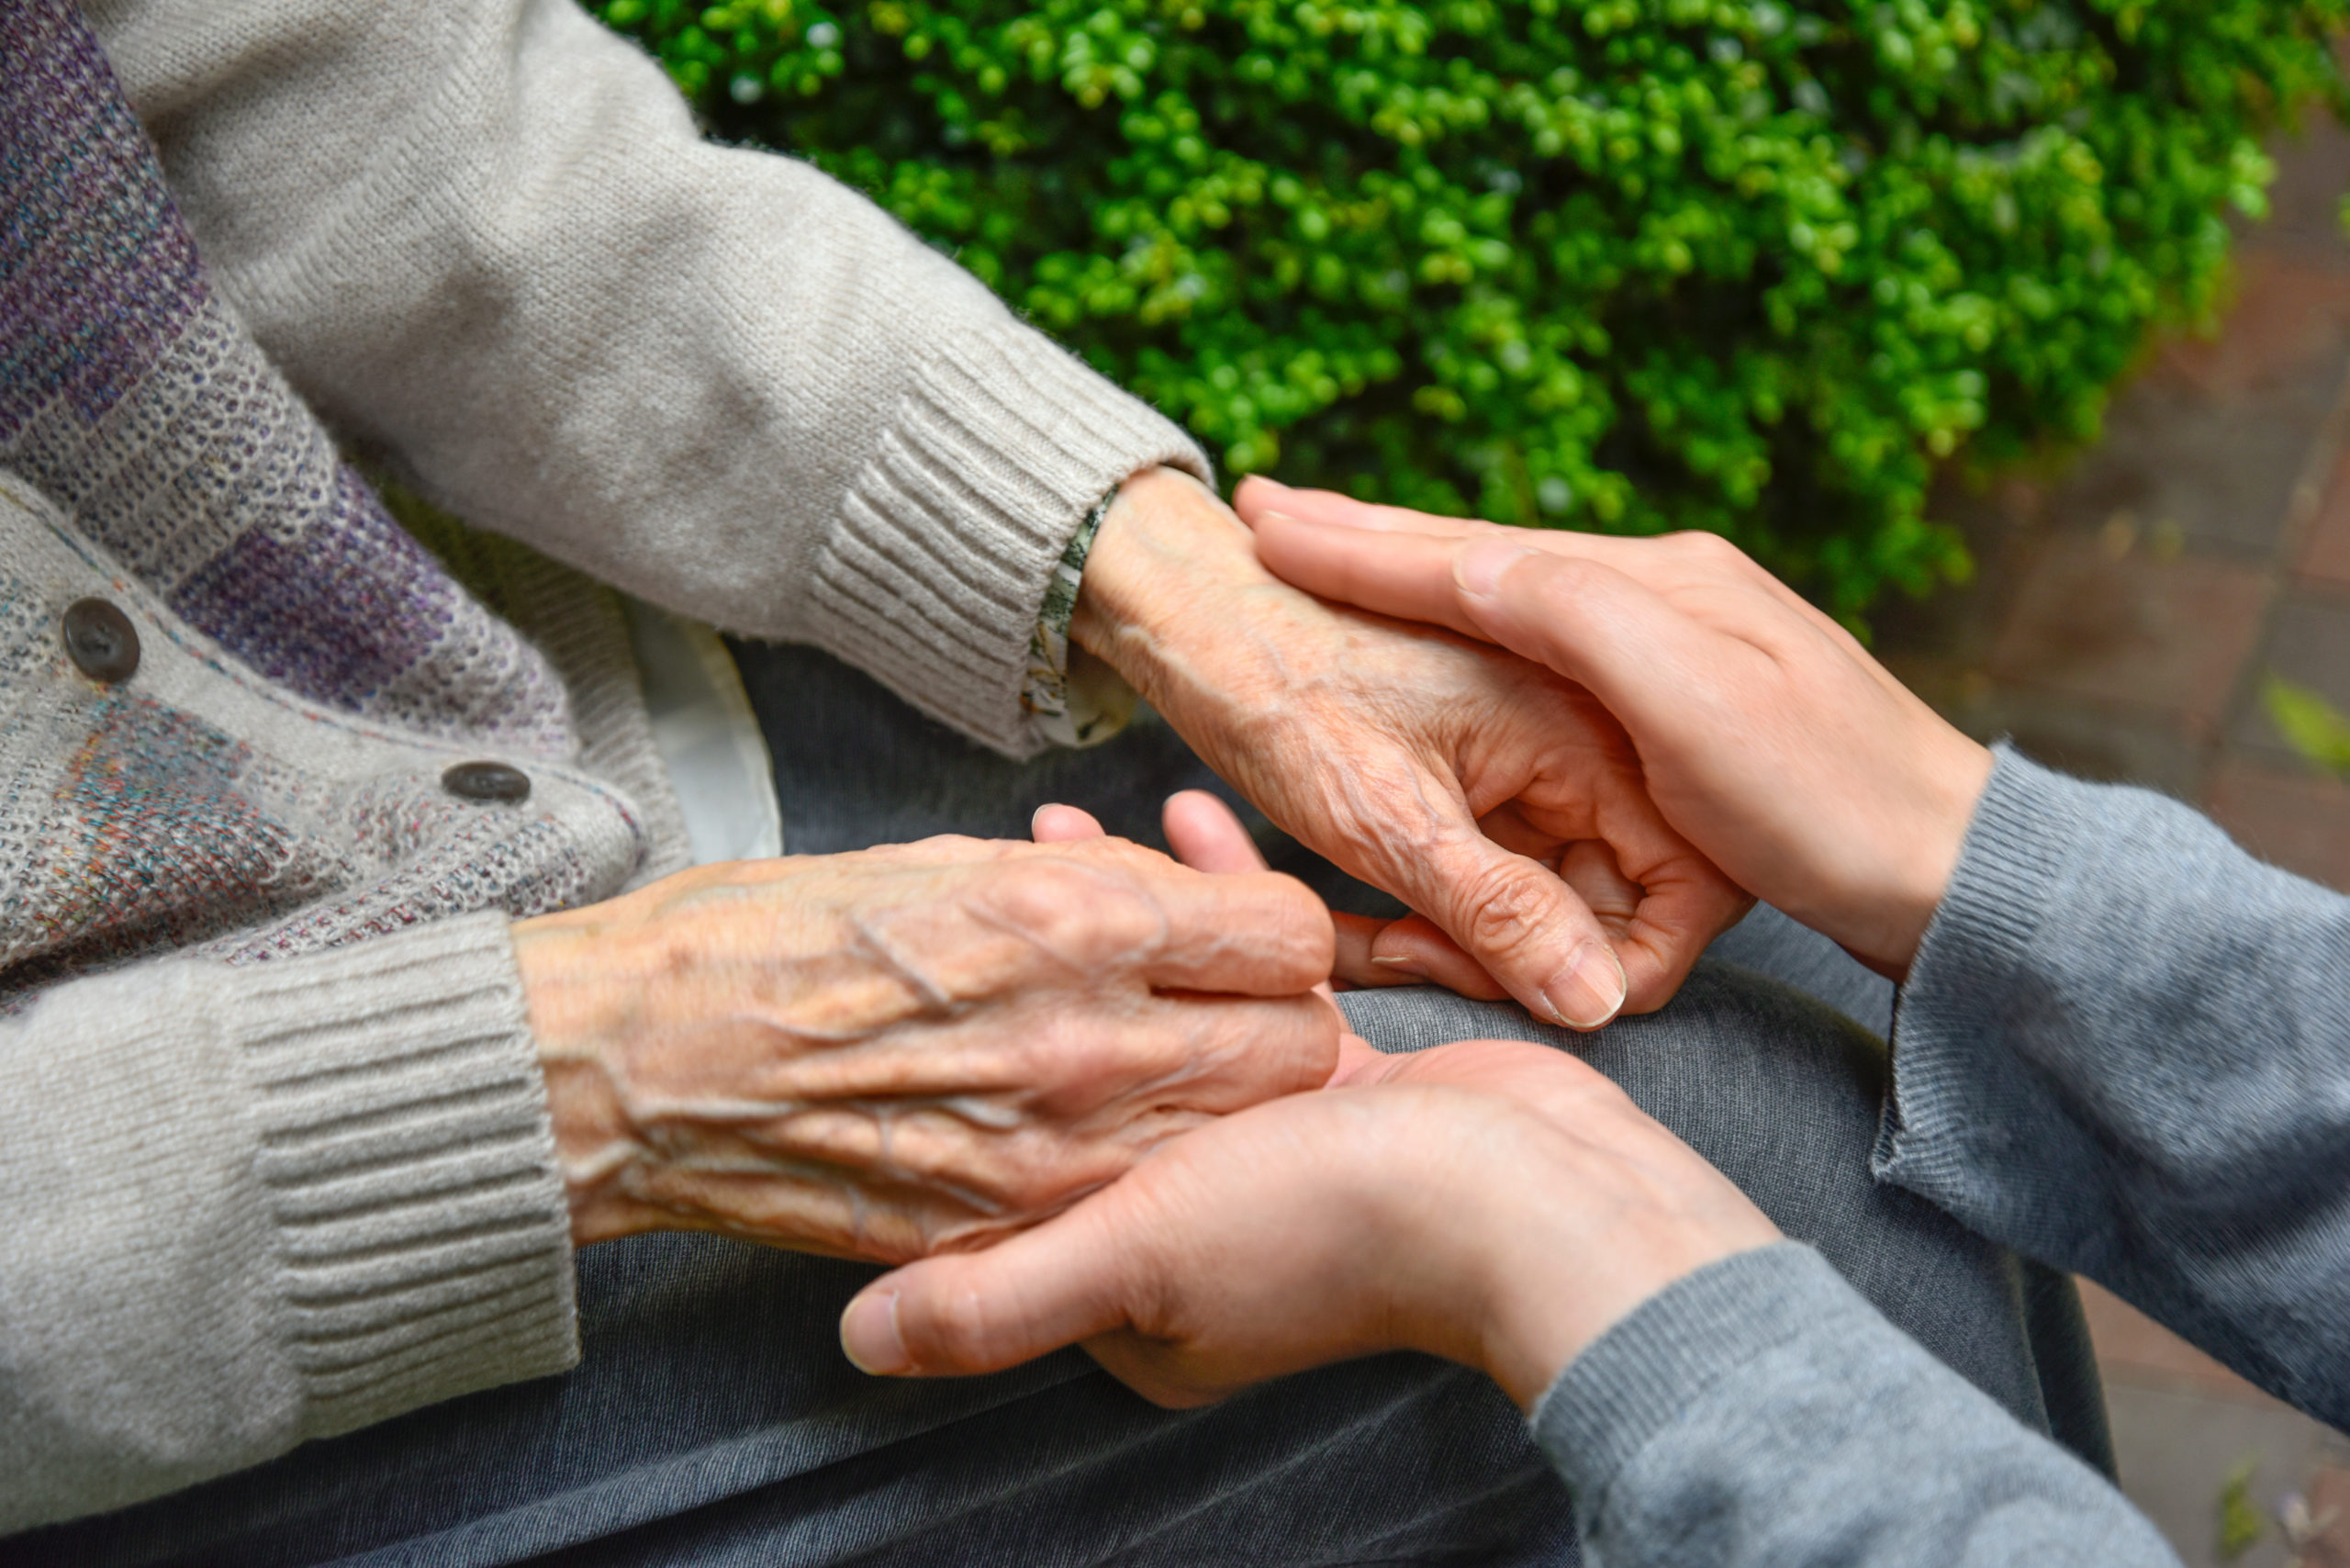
(1766, 734)
(1498, 799)
(904, 1050)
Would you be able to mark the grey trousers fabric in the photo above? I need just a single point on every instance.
(714, 1422)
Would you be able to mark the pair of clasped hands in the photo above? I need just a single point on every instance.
(1089, 1094)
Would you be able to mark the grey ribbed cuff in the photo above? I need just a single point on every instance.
(1647, 1369)
(423, 1241)
(948, 538)
(1962, 983)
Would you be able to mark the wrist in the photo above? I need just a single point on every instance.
(1924, 851)
(1165, 546)
(573, 1004)
(1575, 1232)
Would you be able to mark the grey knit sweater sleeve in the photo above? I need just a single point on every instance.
(253, 1206)
(2125, 1048)
(486, 240)
(1760, 1412)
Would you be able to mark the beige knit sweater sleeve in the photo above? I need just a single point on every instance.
(253, 1206)
(486, 240)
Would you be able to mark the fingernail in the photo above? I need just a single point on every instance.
(1480, 568)
(1589, 991)
(1402, 966)
(869, 1335)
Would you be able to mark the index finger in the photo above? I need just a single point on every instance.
(1411, 575)
(1407, 576)
(1259, 496)
(1660, 562)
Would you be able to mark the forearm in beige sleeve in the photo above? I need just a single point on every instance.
(251, 1206)
(486, 239)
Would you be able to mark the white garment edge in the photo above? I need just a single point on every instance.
(707, 735)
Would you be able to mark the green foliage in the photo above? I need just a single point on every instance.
(2310, 725)
(1750, 265)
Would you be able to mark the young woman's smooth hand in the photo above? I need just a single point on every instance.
(1497, 1202)
(1766, 734)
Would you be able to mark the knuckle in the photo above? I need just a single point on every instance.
(1244, 1053)
(1709, 552)
(1079, 913)
(1293, 934)
(946, 848)
(1312, 1036)
(1080, 1061)
(1071, 1054)
(1570, 578)
(1502, 907)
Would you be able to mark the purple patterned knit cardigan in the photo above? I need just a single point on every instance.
(169, 452)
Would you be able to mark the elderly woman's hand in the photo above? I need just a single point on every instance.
(1498, 800)
(896, 1052)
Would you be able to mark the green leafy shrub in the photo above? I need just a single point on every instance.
(1750, 265)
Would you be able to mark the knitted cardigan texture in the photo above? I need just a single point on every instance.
(169, 451)
(268, 1096)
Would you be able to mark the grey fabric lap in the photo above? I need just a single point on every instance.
(713, 1420)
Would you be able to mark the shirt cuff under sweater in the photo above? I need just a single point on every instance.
(934, 580)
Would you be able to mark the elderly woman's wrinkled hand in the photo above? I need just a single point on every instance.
(1498, 800)
(886, 1054)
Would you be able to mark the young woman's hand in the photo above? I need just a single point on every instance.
(1765, 733)
(885, 1053)
(1497, 1202)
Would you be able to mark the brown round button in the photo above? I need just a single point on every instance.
(486, 781)
(101, 641)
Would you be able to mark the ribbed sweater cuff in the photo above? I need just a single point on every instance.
(422, 1240)
(1953, 1009)
(1652, 1367)
(934, 577)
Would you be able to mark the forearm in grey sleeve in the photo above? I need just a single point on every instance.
(486, 239)
(1760, 1412)
(2125, 1048)
(253, 1206)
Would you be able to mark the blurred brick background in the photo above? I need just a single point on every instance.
(2128, 605)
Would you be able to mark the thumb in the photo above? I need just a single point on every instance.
(959, 1313)
(1514, 916)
